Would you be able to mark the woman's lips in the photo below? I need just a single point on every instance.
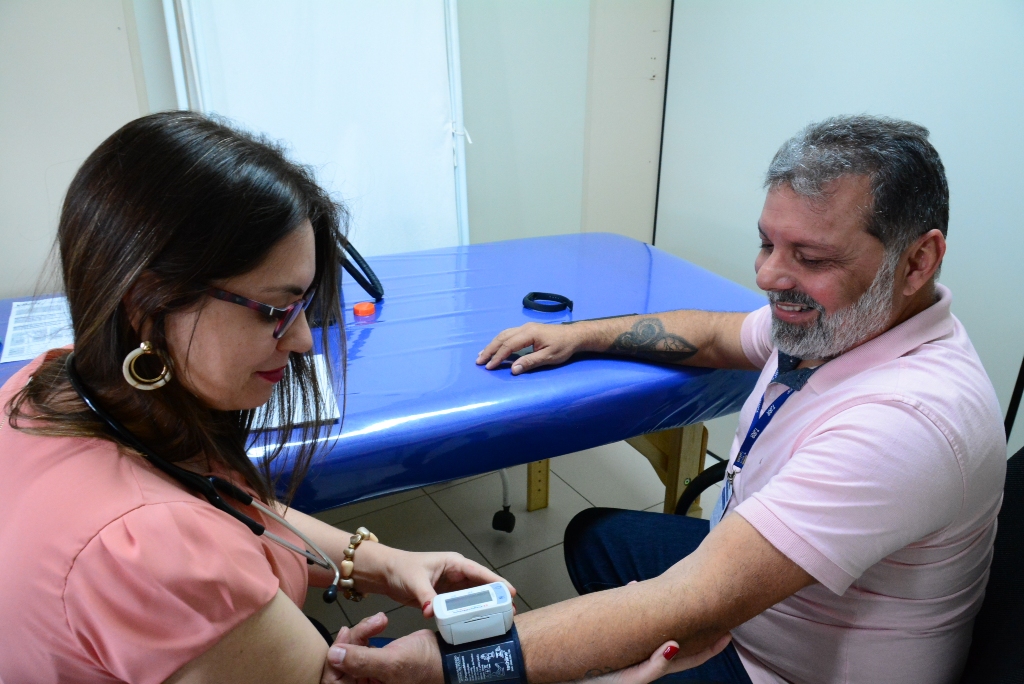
(272, 376)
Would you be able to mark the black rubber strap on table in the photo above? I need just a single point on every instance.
(533, 301)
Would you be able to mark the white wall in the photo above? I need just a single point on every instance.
(524, 96)
(563, 100)
(66, 83)
(359, 91)
(627, 61)
(745, 75)
(151, 55)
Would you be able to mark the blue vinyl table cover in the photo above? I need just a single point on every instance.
(418, 410)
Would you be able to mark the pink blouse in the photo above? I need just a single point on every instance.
(110, 571)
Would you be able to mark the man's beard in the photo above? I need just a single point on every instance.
(832, 334)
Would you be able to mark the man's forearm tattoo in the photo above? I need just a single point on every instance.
(648, 340)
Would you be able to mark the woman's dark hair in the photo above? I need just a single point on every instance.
(166, 205)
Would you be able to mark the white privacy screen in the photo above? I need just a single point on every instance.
(358, 90)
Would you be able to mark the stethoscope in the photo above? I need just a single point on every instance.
(210, 487)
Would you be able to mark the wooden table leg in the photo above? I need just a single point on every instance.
(537, 474)
(677, 456)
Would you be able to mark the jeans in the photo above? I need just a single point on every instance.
(607, 548)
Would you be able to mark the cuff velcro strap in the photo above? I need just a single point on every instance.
(498, 659)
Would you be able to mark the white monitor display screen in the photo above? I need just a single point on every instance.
(467, 600)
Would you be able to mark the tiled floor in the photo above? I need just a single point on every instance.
(456, 516)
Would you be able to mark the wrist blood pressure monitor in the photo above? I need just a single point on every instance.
(473, 614)
(483, 616)
(478, 640)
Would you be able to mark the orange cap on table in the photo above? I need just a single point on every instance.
(364, 309)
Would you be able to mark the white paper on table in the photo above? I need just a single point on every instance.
(35, 327)
(300, 417)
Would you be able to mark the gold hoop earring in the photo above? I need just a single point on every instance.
(140, 383)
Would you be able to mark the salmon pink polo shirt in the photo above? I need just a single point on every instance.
(882, 478)
(110, 571)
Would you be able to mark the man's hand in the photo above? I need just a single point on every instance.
(552, 344)
(413, 659)
(695, 338)
(414, 579)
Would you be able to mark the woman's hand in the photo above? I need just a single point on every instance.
(359, 635)
(414, 579)
(413, 659)
(662, 662)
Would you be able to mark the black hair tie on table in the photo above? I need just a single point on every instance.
(530, 301)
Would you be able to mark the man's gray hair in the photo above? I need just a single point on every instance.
(908, 182)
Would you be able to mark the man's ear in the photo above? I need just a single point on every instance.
(133, 302)
(924, 257)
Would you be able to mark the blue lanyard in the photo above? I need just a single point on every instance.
(757, 427)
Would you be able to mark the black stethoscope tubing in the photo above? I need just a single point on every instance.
(211, 487)
(362, 273)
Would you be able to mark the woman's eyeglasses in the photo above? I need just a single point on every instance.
(285, 317)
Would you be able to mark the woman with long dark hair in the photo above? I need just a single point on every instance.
(191, 254)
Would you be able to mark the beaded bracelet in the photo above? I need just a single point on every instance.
(348, 565)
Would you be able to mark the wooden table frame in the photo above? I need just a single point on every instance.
(677, 456)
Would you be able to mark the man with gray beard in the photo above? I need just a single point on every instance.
(832, 334)
(853, 536)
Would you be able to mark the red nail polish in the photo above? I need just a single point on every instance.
(425, 605)
(670, 652)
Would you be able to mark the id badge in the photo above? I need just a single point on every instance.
(722, 503)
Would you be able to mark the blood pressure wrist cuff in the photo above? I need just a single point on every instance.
(498, 659)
